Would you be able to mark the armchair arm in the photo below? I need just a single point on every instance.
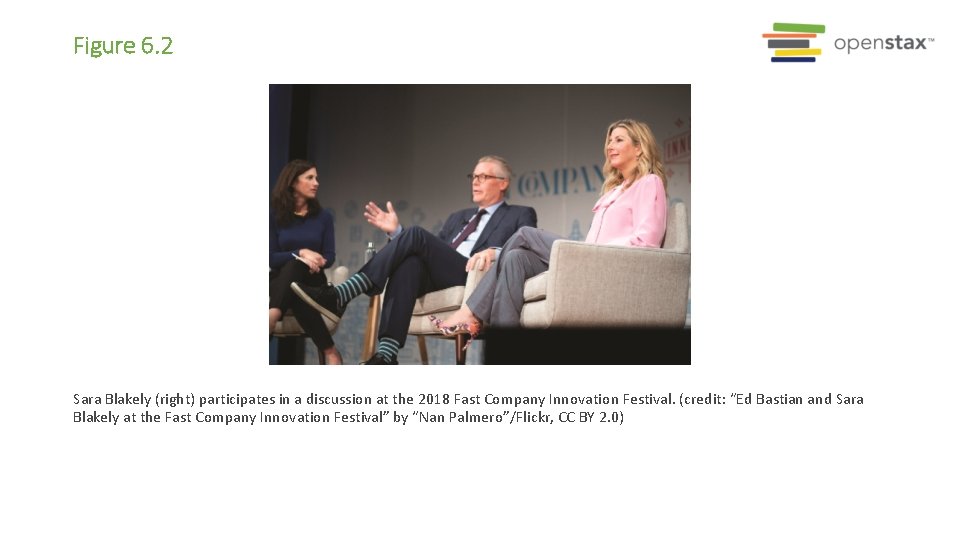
(593, 285)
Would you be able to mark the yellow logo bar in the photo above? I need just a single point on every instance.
(797, 52)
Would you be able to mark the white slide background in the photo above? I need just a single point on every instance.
(823, 261)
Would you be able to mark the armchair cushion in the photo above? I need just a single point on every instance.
(535, 288)
(448, 299)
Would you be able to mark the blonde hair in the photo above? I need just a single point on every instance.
(648, 163)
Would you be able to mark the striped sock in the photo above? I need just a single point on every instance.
(388, 347)
(353, 287)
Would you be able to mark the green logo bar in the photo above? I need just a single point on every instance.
(793, 27)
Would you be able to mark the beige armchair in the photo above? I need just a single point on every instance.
(441, 304)
(610, 286)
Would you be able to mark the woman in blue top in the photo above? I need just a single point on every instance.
(301, 246)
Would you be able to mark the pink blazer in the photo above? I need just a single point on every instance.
(635, 217)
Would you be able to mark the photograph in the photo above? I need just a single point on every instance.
(520, 224)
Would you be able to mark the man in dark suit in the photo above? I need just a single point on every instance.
(416, 262)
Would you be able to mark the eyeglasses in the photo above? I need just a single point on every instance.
(483, 177)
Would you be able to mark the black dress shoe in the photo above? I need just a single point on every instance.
(322, 299)
(379, 360)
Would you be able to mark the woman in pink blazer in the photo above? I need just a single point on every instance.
(632, 211)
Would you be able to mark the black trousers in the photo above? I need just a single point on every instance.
(282, 298)
(414, 263)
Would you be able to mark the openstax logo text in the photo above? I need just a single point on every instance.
(792, 43)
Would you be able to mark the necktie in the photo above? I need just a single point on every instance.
(471, 226)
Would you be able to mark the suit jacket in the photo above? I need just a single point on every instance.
(501, 226)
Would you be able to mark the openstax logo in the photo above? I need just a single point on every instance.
(792, 43)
